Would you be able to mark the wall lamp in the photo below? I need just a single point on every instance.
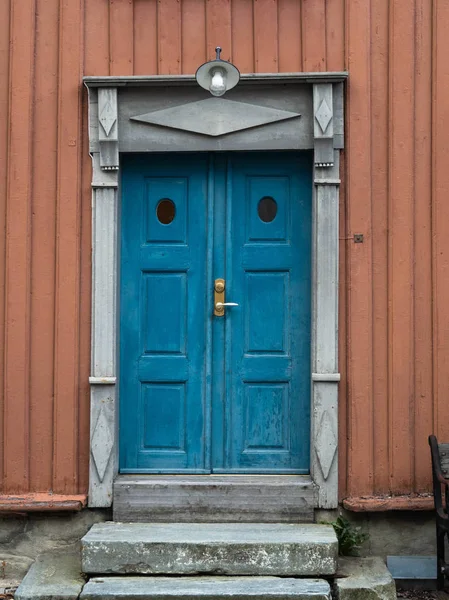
(218, 76)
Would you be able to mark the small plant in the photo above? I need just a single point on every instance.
(350, 538)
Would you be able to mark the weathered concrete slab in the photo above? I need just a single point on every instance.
(14, 567)
(205, 588)
(206, 548)
(214, 499)
(364, 579)
(53, 577)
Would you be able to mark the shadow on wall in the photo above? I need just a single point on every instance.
(23, 538)
(391, 533)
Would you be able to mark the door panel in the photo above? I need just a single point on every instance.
(268, 342)
(162, 343)
(200, 393)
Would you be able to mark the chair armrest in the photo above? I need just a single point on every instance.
(436, 467)
(438, 478)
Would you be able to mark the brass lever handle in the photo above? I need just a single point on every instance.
(221, 304)
(219, 298)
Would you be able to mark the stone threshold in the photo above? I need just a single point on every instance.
(214, 498)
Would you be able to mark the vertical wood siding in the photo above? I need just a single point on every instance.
(394, 293)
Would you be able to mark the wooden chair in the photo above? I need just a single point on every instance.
(440, 472)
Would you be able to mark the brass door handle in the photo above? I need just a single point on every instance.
(219, 298)
(221, 304)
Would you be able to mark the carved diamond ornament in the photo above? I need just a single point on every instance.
(107, 118)
(323, 115)
(215, 116)
(101, 444)
(326, 443)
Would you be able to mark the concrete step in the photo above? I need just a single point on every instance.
(210, 548)
(205, 588)
(214, 498)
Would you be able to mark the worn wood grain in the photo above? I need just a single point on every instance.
(423, 342)
(85, 310)
(335, 25)
(43, 243)
(359, 276)
(313, 17)
(379, 189)
(265, 36)
(145, 58)
(218, 28)
(121, 31)
(41, 502)
(193, 35)
(4, 149)
(18, 246)
(66, 353)
(242, 32)
(401, 245)
(440, 216)
(381, 503)
(169, 36)
(96, 38)
(290, 42)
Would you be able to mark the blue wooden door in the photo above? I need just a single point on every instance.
(162, 314)
(201, 393)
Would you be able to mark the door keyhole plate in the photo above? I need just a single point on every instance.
(219, 296)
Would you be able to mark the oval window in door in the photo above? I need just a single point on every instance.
(166, 211)
(267, 209)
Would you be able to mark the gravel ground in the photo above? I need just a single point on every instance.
(422, 595)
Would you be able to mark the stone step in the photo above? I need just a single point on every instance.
(54, 576)
(205, 588)
(364, 578)
(214, 498)
(210, 548)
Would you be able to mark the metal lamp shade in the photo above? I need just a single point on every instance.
(204, 73)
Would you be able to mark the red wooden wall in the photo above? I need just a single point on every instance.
(394, 336)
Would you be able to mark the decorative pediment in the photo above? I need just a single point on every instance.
(215, 116)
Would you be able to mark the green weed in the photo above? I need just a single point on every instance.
(350, 538)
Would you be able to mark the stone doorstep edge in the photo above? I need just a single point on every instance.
(225, 588)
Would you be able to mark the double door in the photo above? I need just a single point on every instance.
(215, 301)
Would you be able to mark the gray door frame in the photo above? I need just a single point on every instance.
(161, 113)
